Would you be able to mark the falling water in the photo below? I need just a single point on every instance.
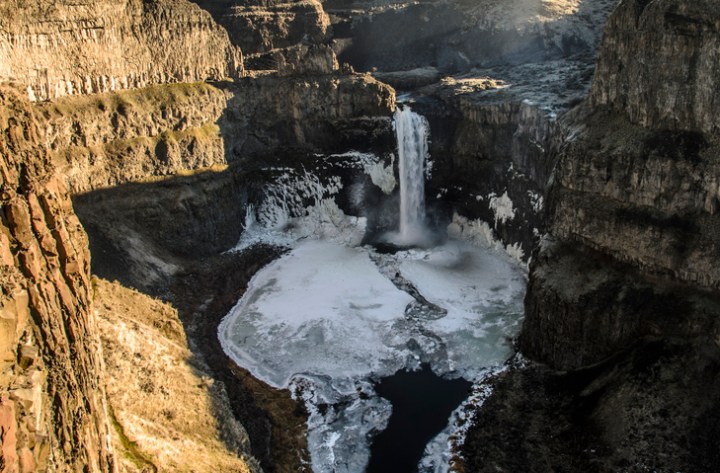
(412, 135)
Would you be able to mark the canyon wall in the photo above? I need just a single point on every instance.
(457, 36)
(622, 307)
(491, 161)
(262, 26)
(636, 186)
(70, 47)
(53, 400)
(669, 83)
(142, 135)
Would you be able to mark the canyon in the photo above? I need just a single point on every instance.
(577, 137)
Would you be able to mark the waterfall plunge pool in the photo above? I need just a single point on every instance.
(330, 319)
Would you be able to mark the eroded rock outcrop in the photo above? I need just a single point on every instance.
(87, 47)
(143, 135)
(52, 404)
(623, 291)
(659, 64)
(168, 413)
(637, 181)
(109, 139)
(263, 26)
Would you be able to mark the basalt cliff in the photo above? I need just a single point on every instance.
(622, 304)
(579, 136)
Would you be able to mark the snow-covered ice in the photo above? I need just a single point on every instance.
(329, 317)
(325, 320)
(322, 309)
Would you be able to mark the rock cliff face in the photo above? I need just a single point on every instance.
(670, 81)
(168, 413)
(142, 135)
(53, 401)
(456, 36)
(637, 181)
(84, 47)
(262, 26)
(309, 114)
(290, 37)
(623, 291)
(491, 160)
(109, 139)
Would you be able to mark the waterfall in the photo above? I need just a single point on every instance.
(412, 133)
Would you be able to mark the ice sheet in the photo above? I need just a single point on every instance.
(328, 318)
(325, 320)
(322, 308)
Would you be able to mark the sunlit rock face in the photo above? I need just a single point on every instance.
(456, 36)
(125, 45)
(259, 27)
(53, 405)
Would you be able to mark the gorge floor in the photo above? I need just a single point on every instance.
(327, 320)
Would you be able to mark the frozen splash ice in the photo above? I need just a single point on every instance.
(412, 137)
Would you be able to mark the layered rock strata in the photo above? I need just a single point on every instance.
(70, 48)
(623, 303)
(143, 135)
(670, 81)
(290, 37)
(52, 399)
(456, 36)
(491, 161)
(263, 26)
(637, 181)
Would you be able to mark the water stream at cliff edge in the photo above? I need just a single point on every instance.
(330, 318)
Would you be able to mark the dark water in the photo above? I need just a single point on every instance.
(422, 403)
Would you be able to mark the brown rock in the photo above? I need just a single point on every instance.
(60, 401)
(658, 64)
(124, 45)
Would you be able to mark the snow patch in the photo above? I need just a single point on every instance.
(515, 251)
(502, 207)
(290, 195)
(476, 232)
(480, 234)
(537, 201)
(382, 176)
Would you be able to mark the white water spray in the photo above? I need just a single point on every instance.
(412, 136)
